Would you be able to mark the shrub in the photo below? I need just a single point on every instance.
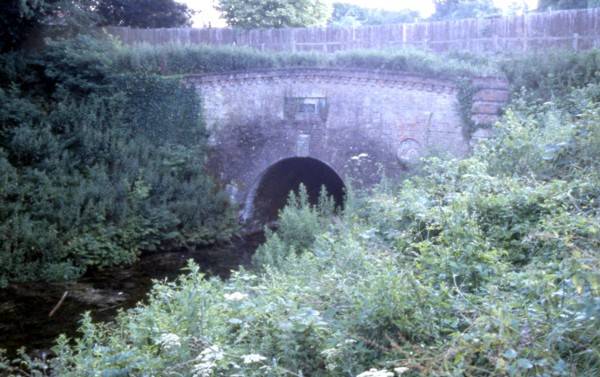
(551, 74)
(101, 166)
(299, 223)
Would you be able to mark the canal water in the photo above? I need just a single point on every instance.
(31, 318)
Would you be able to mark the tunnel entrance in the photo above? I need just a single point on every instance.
(275, 184)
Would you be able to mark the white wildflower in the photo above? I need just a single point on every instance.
(206, 361)
(253, 358)
(169, 341)
(401, 370)
(235, 296)
(235, 321)
(330, 353)
(203, 369)
(376, 373)
(211, 353)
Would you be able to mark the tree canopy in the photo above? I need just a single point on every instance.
(18, 18)
(566, 4)
(274, 13)
(457, 9)
(144, 13)
(349, 15)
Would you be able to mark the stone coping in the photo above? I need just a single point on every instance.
(348, 75)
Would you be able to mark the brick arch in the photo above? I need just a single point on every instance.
(268, 193)
(256, 118)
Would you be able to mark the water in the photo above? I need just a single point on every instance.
(25, 308)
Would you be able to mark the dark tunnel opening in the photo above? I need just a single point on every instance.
(286, 175)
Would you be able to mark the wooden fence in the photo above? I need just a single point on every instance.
(574, 29)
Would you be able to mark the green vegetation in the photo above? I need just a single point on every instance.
(484, 266)
(178, 60)
(458, 9)
(98, 164)
(141, 13)
(102, 148)
(22, 21)
(274, 13)
(345, 14)
(18, 18)
(556, 73)
(566, 4)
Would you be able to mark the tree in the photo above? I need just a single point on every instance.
(274, 13)
(516, 7)
(18, 18)
(566, 4)
(144, 13)
(21, 19)
(457, 9)
(351, 15)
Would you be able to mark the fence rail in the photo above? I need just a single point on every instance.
(573, 29)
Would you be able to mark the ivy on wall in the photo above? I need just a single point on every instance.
(466, 93)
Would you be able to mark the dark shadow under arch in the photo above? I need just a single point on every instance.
(272, 190)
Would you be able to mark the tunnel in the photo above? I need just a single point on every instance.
(273, 187)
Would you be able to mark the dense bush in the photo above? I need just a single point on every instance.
(551, 74)
(485, 266)
(298, 225)
(98, 164)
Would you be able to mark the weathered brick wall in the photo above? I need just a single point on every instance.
(357, 122)
(491, 95)
(574, 29)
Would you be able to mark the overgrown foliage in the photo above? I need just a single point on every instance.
(143, 13)
(104, 114)
(97, 164)
(546, 5)
(18, 18)
(458, 9)
(550, 74)
(299, 223)
(274, 13)
(24, 23)
(190, 59)
(345, 14)
(484, 266)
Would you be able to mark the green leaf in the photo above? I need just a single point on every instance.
(510, 353)
(524, 364)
